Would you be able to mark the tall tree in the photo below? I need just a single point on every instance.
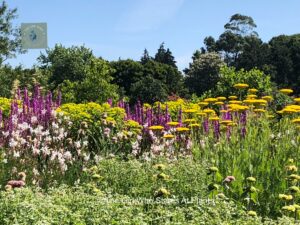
(232, 41)
(241, 25)
(126, 72)
(79, 74)
(285, 58)
(203, 73)
(65, 63)
(255, 53)
(146, 57)
(165, 56)
(10, 37)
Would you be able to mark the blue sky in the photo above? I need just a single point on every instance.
(123, 28)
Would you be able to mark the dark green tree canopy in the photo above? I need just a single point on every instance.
(146, 57)
(10, 37)
(149, 90)
(79, 74)
(239, 37)
(285, 58)
(126, 72)
(65, 63)
(203, 73)
(241, 25)
(165, 56)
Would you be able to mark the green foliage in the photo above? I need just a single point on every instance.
(91, 112)
(146, 57)
(5, 106)
(66, 63)
(13, 78)
(164, 56)
(126, 72)
(229, 76)
(203, 72)
(284, 57)
(241, 24)
(10, 38)
(148, 89)
(75, 206)
(95, 86)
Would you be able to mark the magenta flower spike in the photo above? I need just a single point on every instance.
(180, 117)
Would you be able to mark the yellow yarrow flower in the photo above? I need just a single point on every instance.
(252, 90)
(251, 213)
(241, 86)
(251, 96)
(168, 136)
(267, 98)
(159, 166)
(235, 102)
(219, 103)
(201, 114)
(290, 208)
(221, 98)
(203, 103)
(226, 122)
(209, 111)
(156, 128)
(286, 91)
(297, 120)
(182, 129)
(210, 100)
(194, 125)
(215, 118)
(232, 97)
(259, 110)
(249, 101)
(172, 123)
(285, 197)
(291, 168)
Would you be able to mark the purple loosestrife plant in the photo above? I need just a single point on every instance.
(35, 139)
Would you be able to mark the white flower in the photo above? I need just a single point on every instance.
(45, 150)
(4, 161)
(5, 134)
(33, 119)
(53, 113)
(35, 172)
(77, 144)
(46, 133)
(14, 119)
(84, 143)
(16, 154)
(86, 157)
(55, 125)
(12, 143)
(23, 141)
(23, 126)
(44, 111)
(35, 150)
(68, 155)
(97, 158)
(53, 155)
